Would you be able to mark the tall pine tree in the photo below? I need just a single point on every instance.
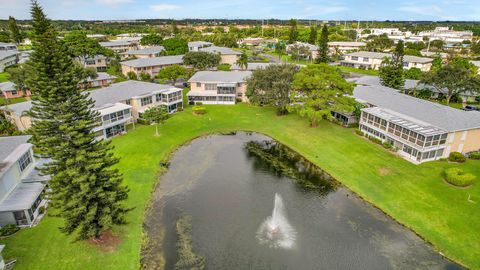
(323, 46)
(86, 190)
(293, 34)
(312, 38)
(15, 34)
(391, 72)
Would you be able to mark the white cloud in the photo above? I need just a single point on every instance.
(164, 7)
(113, 2)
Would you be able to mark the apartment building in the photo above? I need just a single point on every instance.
(343, 47)
(298, 46)
(150, 66)
(8, 58)
(102, 80)
(373, 60)
(21, 185)
(447, 35)
(120, 46)
(98, 62)
(150, 52)
(9, 90)
(251, 66)
(218, 87)
(118, 105)
(195, 46)
(227, 55)
(421, 130)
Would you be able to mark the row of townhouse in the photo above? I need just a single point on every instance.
(9, 90)
(120, 46)
(218, 87)
(151, 64)
(445, 34)
(118, 105)
(334, 47)
(373, 60)
(154, 51)
(98, 62)
(21, 185)
(7, 46)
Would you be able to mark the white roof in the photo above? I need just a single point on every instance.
(7, 87)
(22, 197)
(154, 61)
(220, 76)
(347, 43)
(146, 51)
(220, 50)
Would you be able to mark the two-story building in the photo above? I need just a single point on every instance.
(150, 66)
(120, 46)
(150, 52)
(227, 55)
(118, 105)
(98, 62)
(21, 185)
(195, 46)
(9, 90)
(298, 47)
(7, 46)
(8, 58)
(218, 87)
(102, 80)
(373, 60)
(421, 130)
(343, 47)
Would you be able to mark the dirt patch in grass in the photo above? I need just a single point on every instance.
(107, 243)
(384, 171)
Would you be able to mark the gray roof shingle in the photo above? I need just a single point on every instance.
(146, 51)
(154, 61)
(9, 144)
(220, 76)
(220, 50)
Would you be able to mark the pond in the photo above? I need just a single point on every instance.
(242, 201)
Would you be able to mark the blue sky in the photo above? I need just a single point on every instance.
(252, 9)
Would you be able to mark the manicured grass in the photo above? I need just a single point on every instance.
(359, 71)
(4, 101)
(4, 76)
(415, 195)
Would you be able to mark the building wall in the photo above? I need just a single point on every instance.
(152, 70)
(9, 94)
(9, 61)
(463, 141)
(240, 88)
(228, 59)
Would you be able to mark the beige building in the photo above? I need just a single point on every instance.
(228, 56)
(218, 87)
(120, 46)
(150, 66)
(373, 60)
(298, 46)
(421, 130)
(9, 90)
(343, 47)
(144, 53)
(98, 62)
(118, 105)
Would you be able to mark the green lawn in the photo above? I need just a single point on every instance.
(11, 101)
(414, 195)
(4, 76)
(359, 71)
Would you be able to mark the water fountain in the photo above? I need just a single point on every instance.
(276, 231)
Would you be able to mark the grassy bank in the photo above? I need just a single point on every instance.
(414, 195)
(4, 77)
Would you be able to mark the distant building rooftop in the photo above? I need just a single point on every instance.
(146, 51)
(220, 50)
(380, 55)
(251, 66)
(154, 61)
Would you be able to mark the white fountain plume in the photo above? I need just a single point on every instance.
(276, 231)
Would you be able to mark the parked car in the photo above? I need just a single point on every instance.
(471, 108)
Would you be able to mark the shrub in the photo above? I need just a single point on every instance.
(9, 230)
(457, 177)
(387, 145)
(359, 132)
(142, 121)
(456, 157)
(41, 209)
(198, 110)
(375, 140)
(474, 155)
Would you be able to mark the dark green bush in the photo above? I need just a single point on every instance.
(456, 157)
(198, 110)
(457, 177)
(474, 155)
(9, 230)
(143, 121)
(41, 209)
(375, 140)
(387, 145)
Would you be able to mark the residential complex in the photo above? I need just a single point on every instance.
(9, 90)
(218, 87)
(118, 105)
(298, 47)
(7, 46)
(343, 47)
(227, 55)
(120, 46)
(98, 62)
(373, 60)
(144, 53)
(150, 66)
(21, 185)
(195, 46)
(251, 66)
(8, 58)
(102, 80)
(439, 33)
(421, 130)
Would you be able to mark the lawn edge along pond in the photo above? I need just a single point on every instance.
(414, 195)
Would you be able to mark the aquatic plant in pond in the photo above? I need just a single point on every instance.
(187, 259)
(276, 231)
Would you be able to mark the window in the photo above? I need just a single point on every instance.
(405, 64)
(355, 58)
(210, 87)
(145, 101)
(112, 131)
(128, 102)
(14, 93)
(199, 84)
(24, 161)
(365, 59)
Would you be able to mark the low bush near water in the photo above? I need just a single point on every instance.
(457, 177)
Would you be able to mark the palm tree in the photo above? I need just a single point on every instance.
(242, 62)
